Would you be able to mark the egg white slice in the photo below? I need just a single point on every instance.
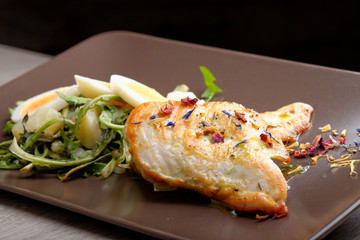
(49, 98)
(133, 92)
(92, 88)
(177, 95)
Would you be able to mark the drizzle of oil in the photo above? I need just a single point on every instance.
(288, 168)
(223, 208)
(284, 116)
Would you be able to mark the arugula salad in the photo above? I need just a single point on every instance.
(80, 133)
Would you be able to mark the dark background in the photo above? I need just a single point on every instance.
(325, 33)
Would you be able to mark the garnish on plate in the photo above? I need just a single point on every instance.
(187, 115)
(320, 149)
(209, 80)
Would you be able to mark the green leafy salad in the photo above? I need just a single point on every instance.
(84, 137)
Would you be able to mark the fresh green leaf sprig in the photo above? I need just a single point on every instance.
(209, 80)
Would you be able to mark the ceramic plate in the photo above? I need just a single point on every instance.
(317, 199)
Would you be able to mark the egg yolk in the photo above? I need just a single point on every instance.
(144, 91)
(43, 100)
(105, 84)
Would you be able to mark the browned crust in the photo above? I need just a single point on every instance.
(244, 202)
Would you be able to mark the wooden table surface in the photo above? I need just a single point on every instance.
(24, 218)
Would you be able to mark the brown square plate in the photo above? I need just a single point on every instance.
(318, 199)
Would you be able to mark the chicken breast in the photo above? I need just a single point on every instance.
(220, 149)
(288, 122)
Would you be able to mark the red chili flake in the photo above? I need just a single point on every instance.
(189, 101)
(267, 139)
(300, 154)
(328, 144)
(323, 151)
(342, 140)
(316, 140)
(240, 116)
(312, 151)
(169, 107)
(312, 148)
(217, 138)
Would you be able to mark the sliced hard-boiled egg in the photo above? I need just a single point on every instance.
(92, 88)
(50, 99)
(133, 92)
(180, 92)
(177, 95)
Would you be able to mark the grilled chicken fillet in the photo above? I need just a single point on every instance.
(220, 149)
(288, 122)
